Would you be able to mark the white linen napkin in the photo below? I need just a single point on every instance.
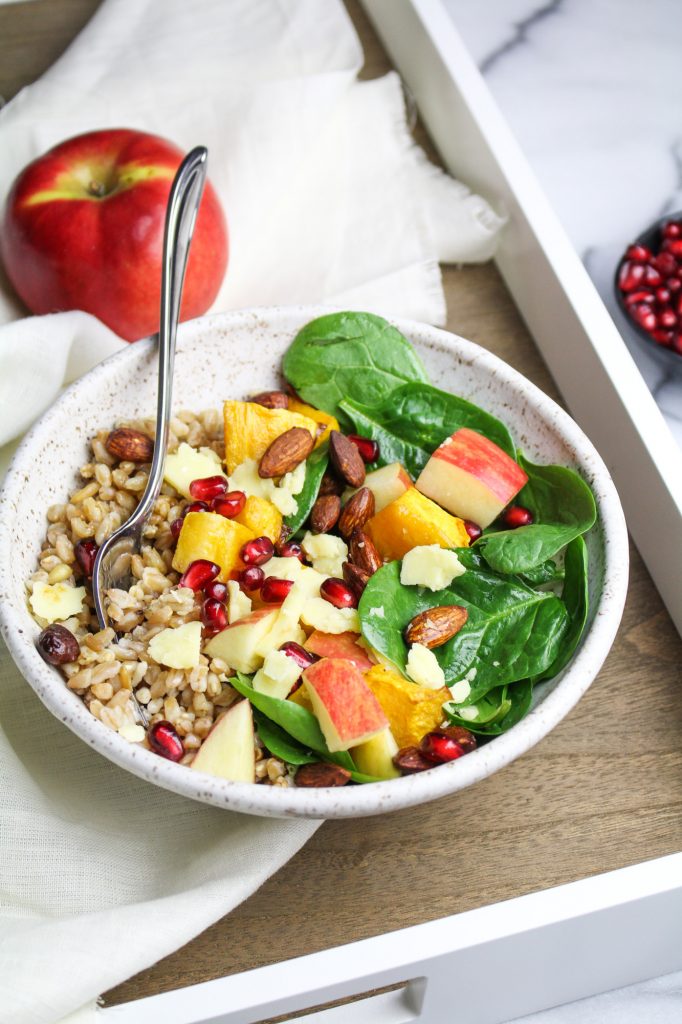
(327, 199)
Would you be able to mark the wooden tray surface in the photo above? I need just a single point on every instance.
(602, 791)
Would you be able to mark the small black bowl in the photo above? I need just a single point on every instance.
(666, 357)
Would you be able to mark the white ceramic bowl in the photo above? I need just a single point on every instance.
(233, 355)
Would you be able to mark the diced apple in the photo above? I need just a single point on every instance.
(471, 477)
(250, 428)
(320, 614)
(412, 710)
(228, 751)
(375, 756)
(413, 520)
(306, 586)
(212, 536)
(386, 484)
(177, 646)
(238, 603)
(187, 464)
(339, 645)
(430, 566)
(238, 644)
(345, 707)
(277, 676)
(56, 602)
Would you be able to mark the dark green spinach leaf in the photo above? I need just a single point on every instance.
(498, 711)
(544, 572)
(280, 743)
(576, 598)
(356, 354)
(316, 465)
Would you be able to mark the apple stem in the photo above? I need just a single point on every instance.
(96, 188)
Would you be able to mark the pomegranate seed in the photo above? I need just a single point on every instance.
(176, 527)
(644, 316)
(338, 593)
(642, 295)
(215, 590)
(675, 246)
(257, 551)
(630, 276)
(165, 742)
(58, 645)
(368, 448)
(662, 296)
(195, 506)
(665, 263)
(639, 253)
(663, 337)
(86, 553)
(251, 578)
(292, 549)
(214, 615)
(230, 504)
(667, 318)
(207, 488)
(652, 277)
(274, 590)
(516, 516)
(673, 284)
(198, 574)
(673, 229)
(438, 747)
(473, 529)
(303, 658)
(677, 343)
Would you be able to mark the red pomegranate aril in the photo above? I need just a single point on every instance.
(230, 504)
(663, 337)
(304, 659)
(257, 551)
(631, 275)
(216, 590)
(642, 295)
(164, 741)
(438, 747)
(176, 527)
(665, 263)
(338, 593)
(652, 277)
(662, 296)
(198, 574)
(274, 589)
(644, 316)
(292, 549)
(673, 229)
(195, 506)
(677, 343)
(674, 246)
(214, 615)
(251, 579)
(638, 253)
(517, 516)
(368, 448)
(673, 284)
(473, 530)
(86, 553)
(208, 487)
(667, 318)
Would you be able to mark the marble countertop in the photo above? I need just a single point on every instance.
(593, 93)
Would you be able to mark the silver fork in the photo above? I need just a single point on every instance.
(112, 565)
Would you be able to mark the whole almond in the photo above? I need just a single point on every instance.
(436, 626)
(356, 578)
(363, 552)
(325, 513)
(129, 445)
(272, 399)
(321, 774)
(357, 510)
(409, 760)
(286, 453)
(330, 485)
(346, 459)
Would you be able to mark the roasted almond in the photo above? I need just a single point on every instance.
(409, 760)
(129, 445)
(356, 578)
(286, 453)
(357, 510)
(330, 485)
(363, 552)
(272, 399)
(325, 513)
(346, 459)
(436, 626)
(321, 774)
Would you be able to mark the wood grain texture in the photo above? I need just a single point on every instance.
(603, 791)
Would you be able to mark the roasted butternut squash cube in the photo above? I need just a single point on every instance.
(323, 419)
(412, 710)
(209, 535)
(412, 520)
(251, 428)
(261, 517)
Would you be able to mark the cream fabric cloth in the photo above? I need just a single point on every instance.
(327, 200)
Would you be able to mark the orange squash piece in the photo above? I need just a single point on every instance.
(323, 419)
(412, 710)
(412, 520)
(251, 428)
(261, 517)
(209, 535)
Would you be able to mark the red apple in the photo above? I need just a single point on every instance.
(83, 229)
(346, 709)
(339, 645)
(471, 477)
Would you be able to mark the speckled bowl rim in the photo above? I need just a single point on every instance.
(19, 629)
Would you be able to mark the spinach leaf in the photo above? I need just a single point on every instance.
(575, 597)
(498, 711)
(411, 421)
(344, 354)
(295, 720)
(316, 465)
(279, 743)
(512, 631)
(563, 508)
(544, 572)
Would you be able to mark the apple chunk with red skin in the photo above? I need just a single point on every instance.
(238, 644)
(228, 751)
(339, 645)
(471, 477)
(386, 484)
(345, 707)
(83, 229)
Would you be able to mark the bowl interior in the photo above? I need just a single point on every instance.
(235, 355)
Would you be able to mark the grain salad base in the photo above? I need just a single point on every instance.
(112, 665)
